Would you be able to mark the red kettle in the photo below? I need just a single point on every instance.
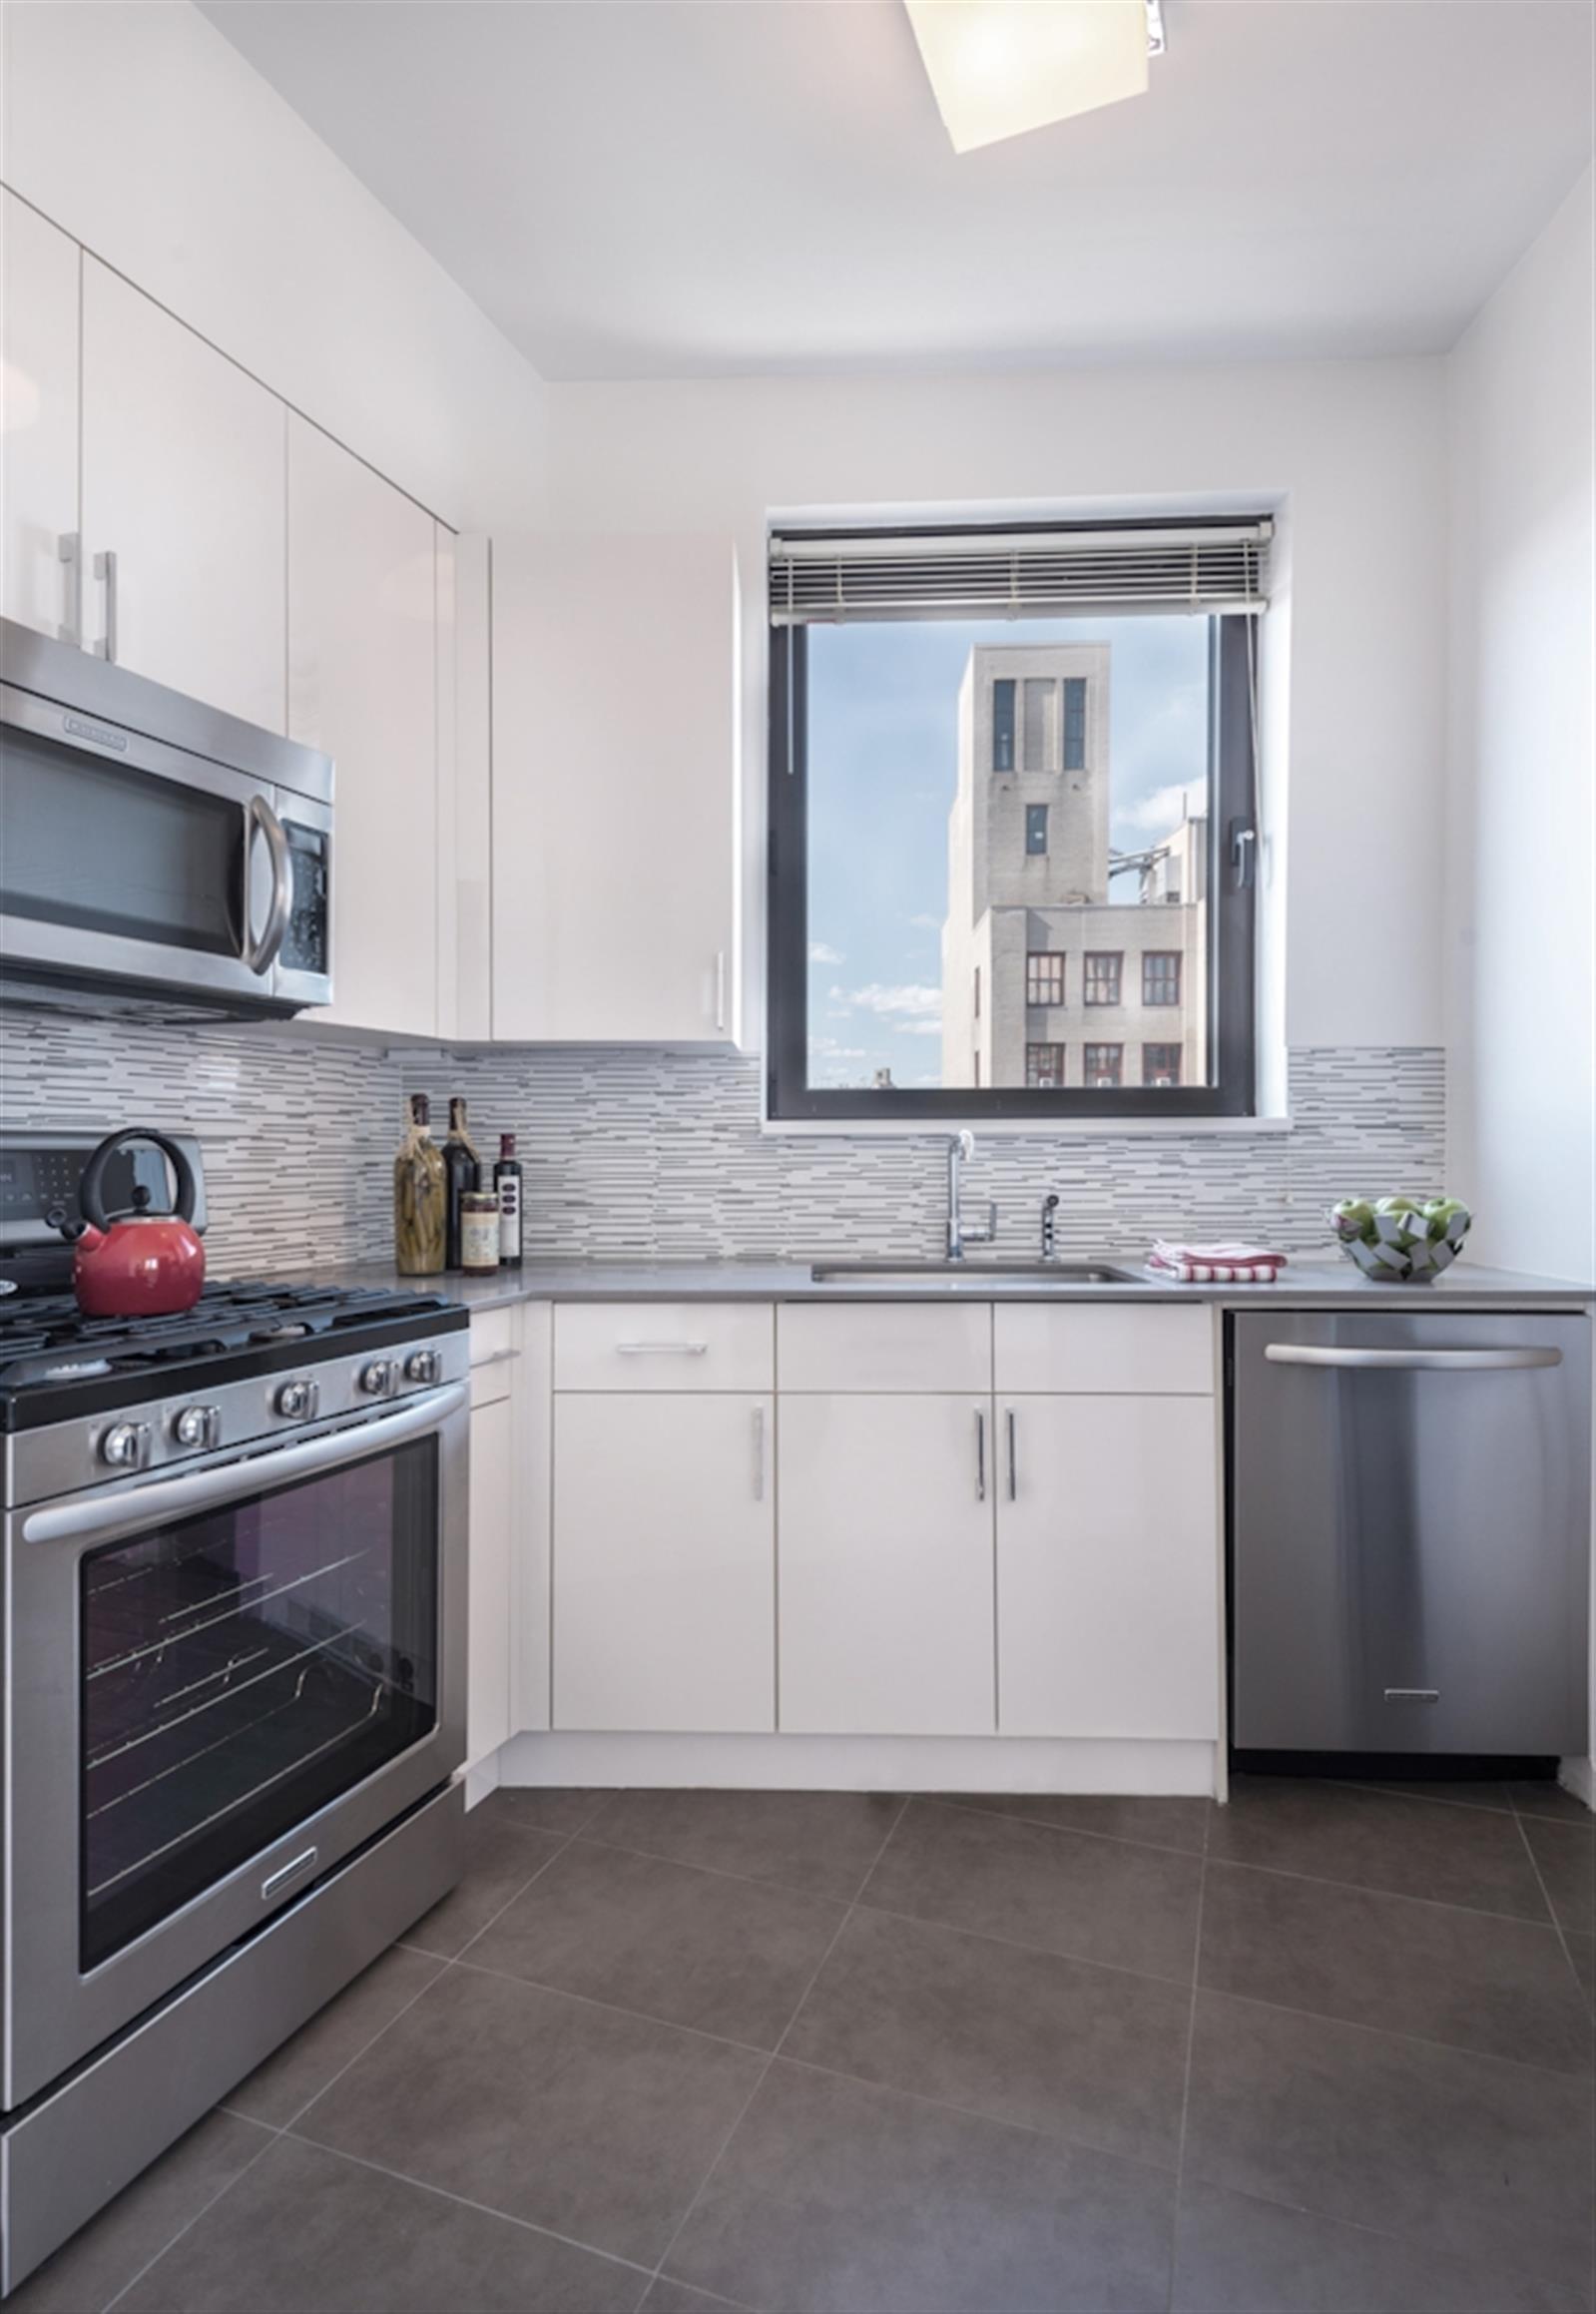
(138, 1264)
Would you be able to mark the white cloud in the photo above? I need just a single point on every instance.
(919, 1027)
(926, 923)
(821, 952)
(1161, 812)
(888, 1001)
(827, 1048)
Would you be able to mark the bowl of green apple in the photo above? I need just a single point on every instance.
(1401, 1241)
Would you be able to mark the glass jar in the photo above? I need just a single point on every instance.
(479, 1233)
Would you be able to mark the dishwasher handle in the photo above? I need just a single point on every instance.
(1410, 1360)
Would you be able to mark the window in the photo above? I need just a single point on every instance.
(1104, 671)
(1003, 724)
(1161, 1064)
(1161, 976)
(1102, 1064)
(1044, 977)
(1075, 723)
(1101, 984)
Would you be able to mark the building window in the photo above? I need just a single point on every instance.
(1041, 714)
(1161, 1064)
(1104, 1064)
(1101, 984)
(1044, 976)
(976, 993)
(1036, 829)
(1075, 723)
(1044, 1064)
(1003, 724)
(1161, 976)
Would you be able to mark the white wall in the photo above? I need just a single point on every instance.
(1520, 930)
(1356, 447)
(136, 127)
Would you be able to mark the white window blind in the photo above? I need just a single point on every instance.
(1109, 570)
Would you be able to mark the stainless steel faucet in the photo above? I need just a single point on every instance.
(960, 1234)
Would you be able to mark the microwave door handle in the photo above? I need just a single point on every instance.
(261, 955)
(131, 1508)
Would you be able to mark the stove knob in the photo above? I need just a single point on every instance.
(126, 1445)
(197, 1426)
(379, 1376)
(298, 1399)
(423, 1366)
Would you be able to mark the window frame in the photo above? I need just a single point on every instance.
(1093, 1002)
(1047, 1044)
(1114, 1045)
(1163, 1044)
(1173, 956)
(1036, 814)
(1058, 957)
(1232, 930)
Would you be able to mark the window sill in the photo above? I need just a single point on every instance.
(1023, 1128)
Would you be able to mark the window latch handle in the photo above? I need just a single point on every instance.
(1243, 854)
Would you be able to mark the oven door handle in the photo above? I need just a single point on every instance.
(158, 1499)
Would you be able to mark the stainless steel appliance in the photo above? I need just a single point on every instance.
(154, 850)
(1411, 1532)
(233, 1637)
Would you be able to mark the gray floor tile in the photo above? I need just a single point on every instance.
(668, 2297)
(1378, 1839)
(562, 1808)
(1169, 1823)
(1460, 1793)
(821, 1842)
(501, 1856)
(1090, 2053)
(1466, 2154)
(1099, 1900)
(103, 2259)
(1471, 1979)
(319, 2051)
(693, 1947)
(832, 2195)
(306, 2232)
(1234, 2255)
(1565, 1857)
(1582, 1952)
(599, 2126)
(1545, 1798)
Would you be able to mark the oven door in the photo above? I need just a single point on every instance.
(123, 859)
(217, 1686)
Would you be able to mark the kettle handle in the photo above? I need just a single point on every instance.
(91, 1197)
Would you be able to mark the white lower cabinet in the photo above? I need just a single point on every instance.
(664, 1542)
(489, 1589)
(886, 1565)
(1107, 1567)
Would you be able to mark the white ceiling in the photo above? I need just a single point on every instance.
(689, 188)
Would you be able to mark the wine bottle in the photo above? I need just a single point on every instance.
(418, 1197)
(463, 1170)
(507, 1181)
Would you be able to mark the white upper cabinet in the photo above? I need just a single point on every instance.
(362, 687)
(615, 790)
(38, 419)
(185, 505)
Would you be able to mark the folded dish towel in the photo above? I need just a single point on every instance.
(1216, 1265)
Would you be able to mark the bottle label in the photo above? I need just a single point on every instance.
(509, 1218)
(479, 1235)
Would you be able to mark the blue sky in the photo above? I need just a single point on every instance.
(882, 767)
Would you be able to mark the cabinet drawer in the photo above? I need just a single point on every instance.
(1149, 1349)
(895, 1346)
(492, 1333)
(674, 1345)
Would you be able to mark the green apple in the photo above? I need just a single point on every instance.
(1398, 1204)
(1357, 1214)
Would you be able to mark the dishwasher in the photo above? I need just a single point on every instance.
(1410, 1532)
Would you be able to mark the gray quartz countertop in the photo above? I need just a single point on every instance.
(1303, 1284)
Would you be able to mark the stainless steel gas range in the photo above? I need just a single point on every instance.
(232, 1627)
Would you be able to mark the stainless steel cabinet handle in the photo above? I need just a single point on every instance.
(1014, 1456)
(759, 1453)
(1410, 1360)
(287, 1872)
(493, 1358)
(980, 1456)
(661, 1349)
(260, 819)
(719, 988)
(70, 549)
(129, 1507)
(104, 567)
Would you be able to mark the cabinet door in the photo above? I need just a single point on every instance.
(38, 419)
(362, 687)
(1108, 1567)
(488, 1591)
(664, 1561)
(887, 1565)
(615, 753)
(185, 483)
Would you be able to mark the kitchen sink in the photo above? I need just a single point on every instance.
(973, 1274)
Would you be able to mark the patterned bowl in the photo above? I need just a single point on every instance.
(1402, 1249)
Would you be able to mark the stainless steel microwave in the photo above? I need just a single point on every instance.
(154, 851)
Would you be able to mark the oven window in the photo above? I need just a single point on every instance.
(107, 848)
(243, 1668)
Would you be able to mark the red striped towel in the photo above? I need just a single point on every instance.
(1216, 1265)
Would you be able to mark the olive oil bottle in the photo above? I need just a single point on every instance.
(419, 1197)
(462, 1172)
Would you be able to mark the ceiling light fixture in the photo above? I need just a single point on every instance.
(1000, 67)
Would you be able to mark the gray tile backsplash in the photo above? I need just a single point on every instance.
(661, 1153)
